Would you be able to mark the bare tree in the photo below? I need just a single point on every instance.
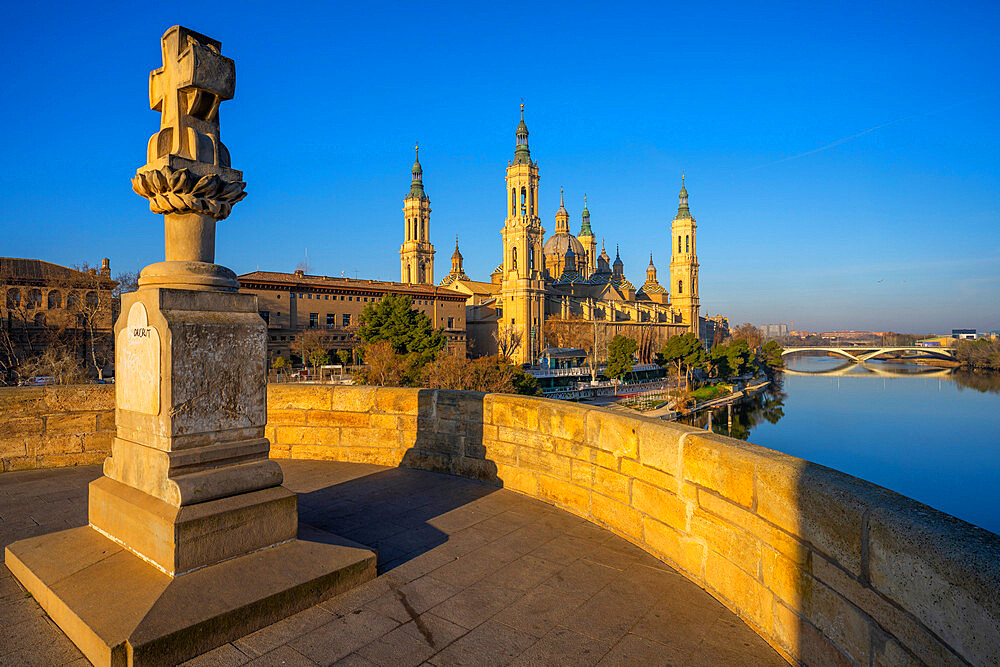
(509, 339)
(590, 336)
(93, 305)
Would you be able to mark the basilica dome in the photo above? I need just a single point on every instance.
(558, 243)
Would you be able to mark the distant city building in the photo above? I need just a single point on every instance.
(45, 304)
(964, 334)
(563, 277)
(291, 303)
(774, 330)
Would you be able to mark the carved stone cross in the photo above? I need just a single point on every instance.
(188, 168)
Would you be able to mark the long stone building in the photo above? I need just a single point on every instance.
(563, 277)
(292, 303)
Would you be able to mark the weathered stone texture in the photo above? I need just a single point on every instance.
(827, 568)
(43, 427)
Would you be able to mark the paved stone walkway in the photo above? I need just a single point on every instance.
(468, 575)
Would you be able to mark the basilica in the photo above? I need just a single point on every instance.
(561, 278)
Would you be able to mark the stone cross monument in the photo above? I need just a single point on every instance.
(192, 540)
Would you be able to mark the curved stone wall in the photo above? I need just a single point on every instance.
(828, 568)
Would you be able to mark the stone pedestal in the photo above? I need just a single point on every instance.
(192, 541)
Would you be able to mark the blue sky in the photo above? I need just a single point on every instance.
(841, 157)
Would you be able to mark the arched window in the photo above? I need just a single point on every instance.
(687, 247)
(524, 201)
(13, 298)
(513, 201)
(55, 299)
(531, 201)
(678, 243)
(92, 299)
(513, 257)
(531, 260)
(72, 299)
(408, 276)
(34, 298)
(680, 287)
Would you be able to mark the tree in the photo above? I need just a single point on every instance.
(312, 344)
(771, 355)
(394, 320)
(489, 374)
(684, 352)
(621, 354)
(739, 357)
(94, 303)
(58, 362)
(385, 368)
(280, 364)
(344, 357)
(509, 338)
(749, 333)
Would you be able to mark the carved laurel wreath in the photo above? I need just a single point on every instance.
(179, 191)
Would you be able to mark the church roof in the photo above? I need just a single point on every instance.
(557, 244)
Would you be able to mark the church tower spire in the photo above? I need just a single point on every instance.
(522, 279)
(416, 255)
(588, 240)
(684, 263)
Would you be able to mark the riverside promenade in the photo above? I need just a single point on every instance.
(469, 574)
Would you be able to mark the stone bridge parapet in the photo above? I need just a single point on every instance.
(828, 568)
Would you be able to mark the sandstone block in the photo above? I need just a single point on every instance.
(649, 475)
(17, 427)
(22, 400)
(85, 422)
(563, 421)
(565, 494)
(674, 546)
(515, 412)
(574, 450)
(526, 438)
(286, 417)
(501, 452)
(719, 464)
(612, 484)
(298, 397)
(543, 462)
(840, 622)
(789, 581)
(769, 534)
(461, 405)
(940, 569)
(13, 447)
(307, 435)
(803, 641)
(890, 616)
(280, 451)
(330, 418)
(618, 516)
(314, 452)
(727, 540)
(383, 456)
(368, 437)
(660, 446)
(613, 433)
(60, 443)
(70, 459)
(13, 463)
(661, 505)
(80, 398)
(403, 401)
(98, 442)
(515, 479)
(816, 504)
(352, 398)
(741, 592)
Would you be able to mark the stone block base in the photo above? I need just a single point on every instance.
(120, 610)
(181, 539)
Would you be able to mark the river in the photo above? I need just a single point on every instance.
(931, 434)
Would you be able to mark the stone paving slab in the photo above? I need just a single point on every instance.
(469, 574)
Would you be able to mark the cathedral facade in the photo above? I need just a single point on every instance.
(543, 284)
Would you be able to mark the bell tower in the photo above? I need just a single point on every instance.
(684, 264)
(522, 283)
(588, 240)
(416, 255)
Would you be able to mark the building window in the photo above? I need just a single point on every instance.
(309, 296)
(55, 299)
(451, 322)
(347, 320)
(326, 297)
(282, 338)
(331, 320)
(687, 246)
(680, 287)
(350, 298)
(313, 319)
(277, 296)
(678, 243)
(266, 315)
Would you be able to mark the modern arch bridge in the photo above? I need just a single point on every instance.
(862, 353)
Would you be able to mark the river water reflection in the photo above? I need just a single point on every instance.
(931, 434)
